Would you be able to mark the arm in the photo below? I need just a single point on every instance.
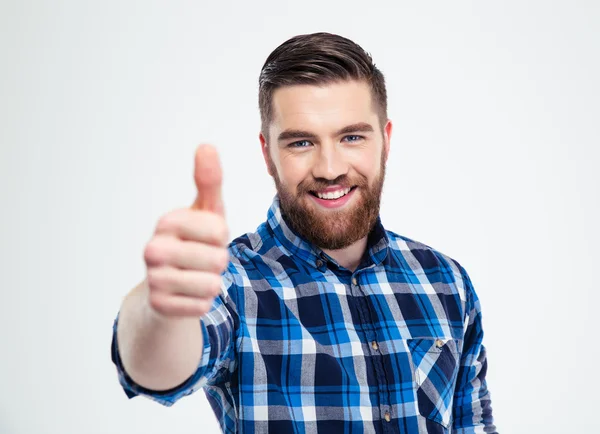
(472, 410)
(161, 345)
(157, 352)
(165, 360)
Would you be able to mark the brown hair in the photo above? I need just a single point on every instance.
(317, 59)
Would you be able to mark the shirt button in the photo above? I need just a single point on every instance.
(387, 416)
(439, 343)
(374, 345)
(354, 281)
(319, 263)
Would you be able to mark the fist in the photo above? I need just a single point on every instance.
(188, 251)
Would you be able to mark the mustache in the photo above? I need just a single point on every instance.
(343, 181)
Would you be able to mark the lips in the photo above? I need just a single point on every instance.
(333, 199)
(332, 194)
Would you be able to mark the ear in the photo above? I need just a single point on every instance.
(264, 147)
(387, 137)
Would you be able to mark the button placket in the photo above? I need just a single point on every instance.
(379, 370)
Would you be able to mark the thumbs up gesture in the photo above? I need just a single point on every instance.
(187, 253)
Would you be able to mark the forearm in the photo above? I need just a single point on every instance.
(157, 352)
(472, 401)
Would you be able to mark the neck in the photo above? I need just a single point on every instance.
(349, 257)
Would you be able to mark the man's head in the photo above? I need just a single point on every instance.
(325, 133)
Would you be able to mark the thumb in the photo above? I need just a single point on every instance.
(208, 177)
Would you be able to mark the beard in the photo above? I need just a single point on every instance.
(331, 229)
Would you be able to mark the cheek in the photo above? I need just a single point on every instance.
(368, 165)
(293, 171)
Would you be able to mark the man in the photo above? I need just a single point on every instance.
(321, 320)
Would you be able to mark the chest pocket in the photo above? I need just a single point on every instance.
(435, 367)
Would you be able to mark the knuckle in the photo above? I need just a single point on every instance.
(220, 260)
(224, 260)
(156, 279)
(196, 309)
(215, 285)
(220, 232)
(212, 286)
(225, 233)
(168, 222)
(204, 306)
(151, 278)
(157, 302)
(153, 253)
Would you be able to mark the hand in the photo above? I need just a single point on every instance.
(187, 253)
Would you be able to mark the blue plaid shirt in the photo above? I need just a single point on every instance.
(297, 343)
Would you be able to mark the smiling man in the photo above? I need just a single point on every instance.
(322, 320)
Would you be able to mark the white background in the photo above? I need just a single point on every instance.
(493, 162)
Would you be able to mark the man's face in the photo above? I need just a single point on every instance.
(326, 153)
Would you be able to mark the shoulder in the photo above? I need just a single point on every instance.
(426, 255)
(422, 258)
(247, 246)
(246, 251)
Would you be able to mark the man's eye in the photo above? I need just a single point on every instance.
(300, 144)
(353, 138)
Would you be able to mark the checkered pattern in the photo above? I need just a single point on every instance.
(297, 343)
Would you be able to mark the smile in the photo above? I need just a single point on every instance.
(331, 195)
(333, 199)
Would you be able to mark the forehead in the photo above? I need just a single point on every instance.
(322, 108)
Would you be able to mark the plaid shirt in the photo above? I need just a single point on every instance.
(297, 343)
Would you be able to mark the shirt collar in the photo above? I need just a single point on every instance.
(377, 242)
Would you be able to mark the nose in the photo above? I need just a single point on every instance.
(330, 162)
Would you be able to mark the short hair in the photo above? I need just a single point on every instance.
(318, 59)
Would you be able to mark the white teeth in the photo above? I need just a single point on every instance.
(333, 194)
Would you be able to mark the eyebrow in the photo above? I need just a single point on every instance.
(361, 127)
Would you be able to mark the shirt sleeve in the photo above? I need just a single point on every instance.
(219, 328)
(472, 409)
